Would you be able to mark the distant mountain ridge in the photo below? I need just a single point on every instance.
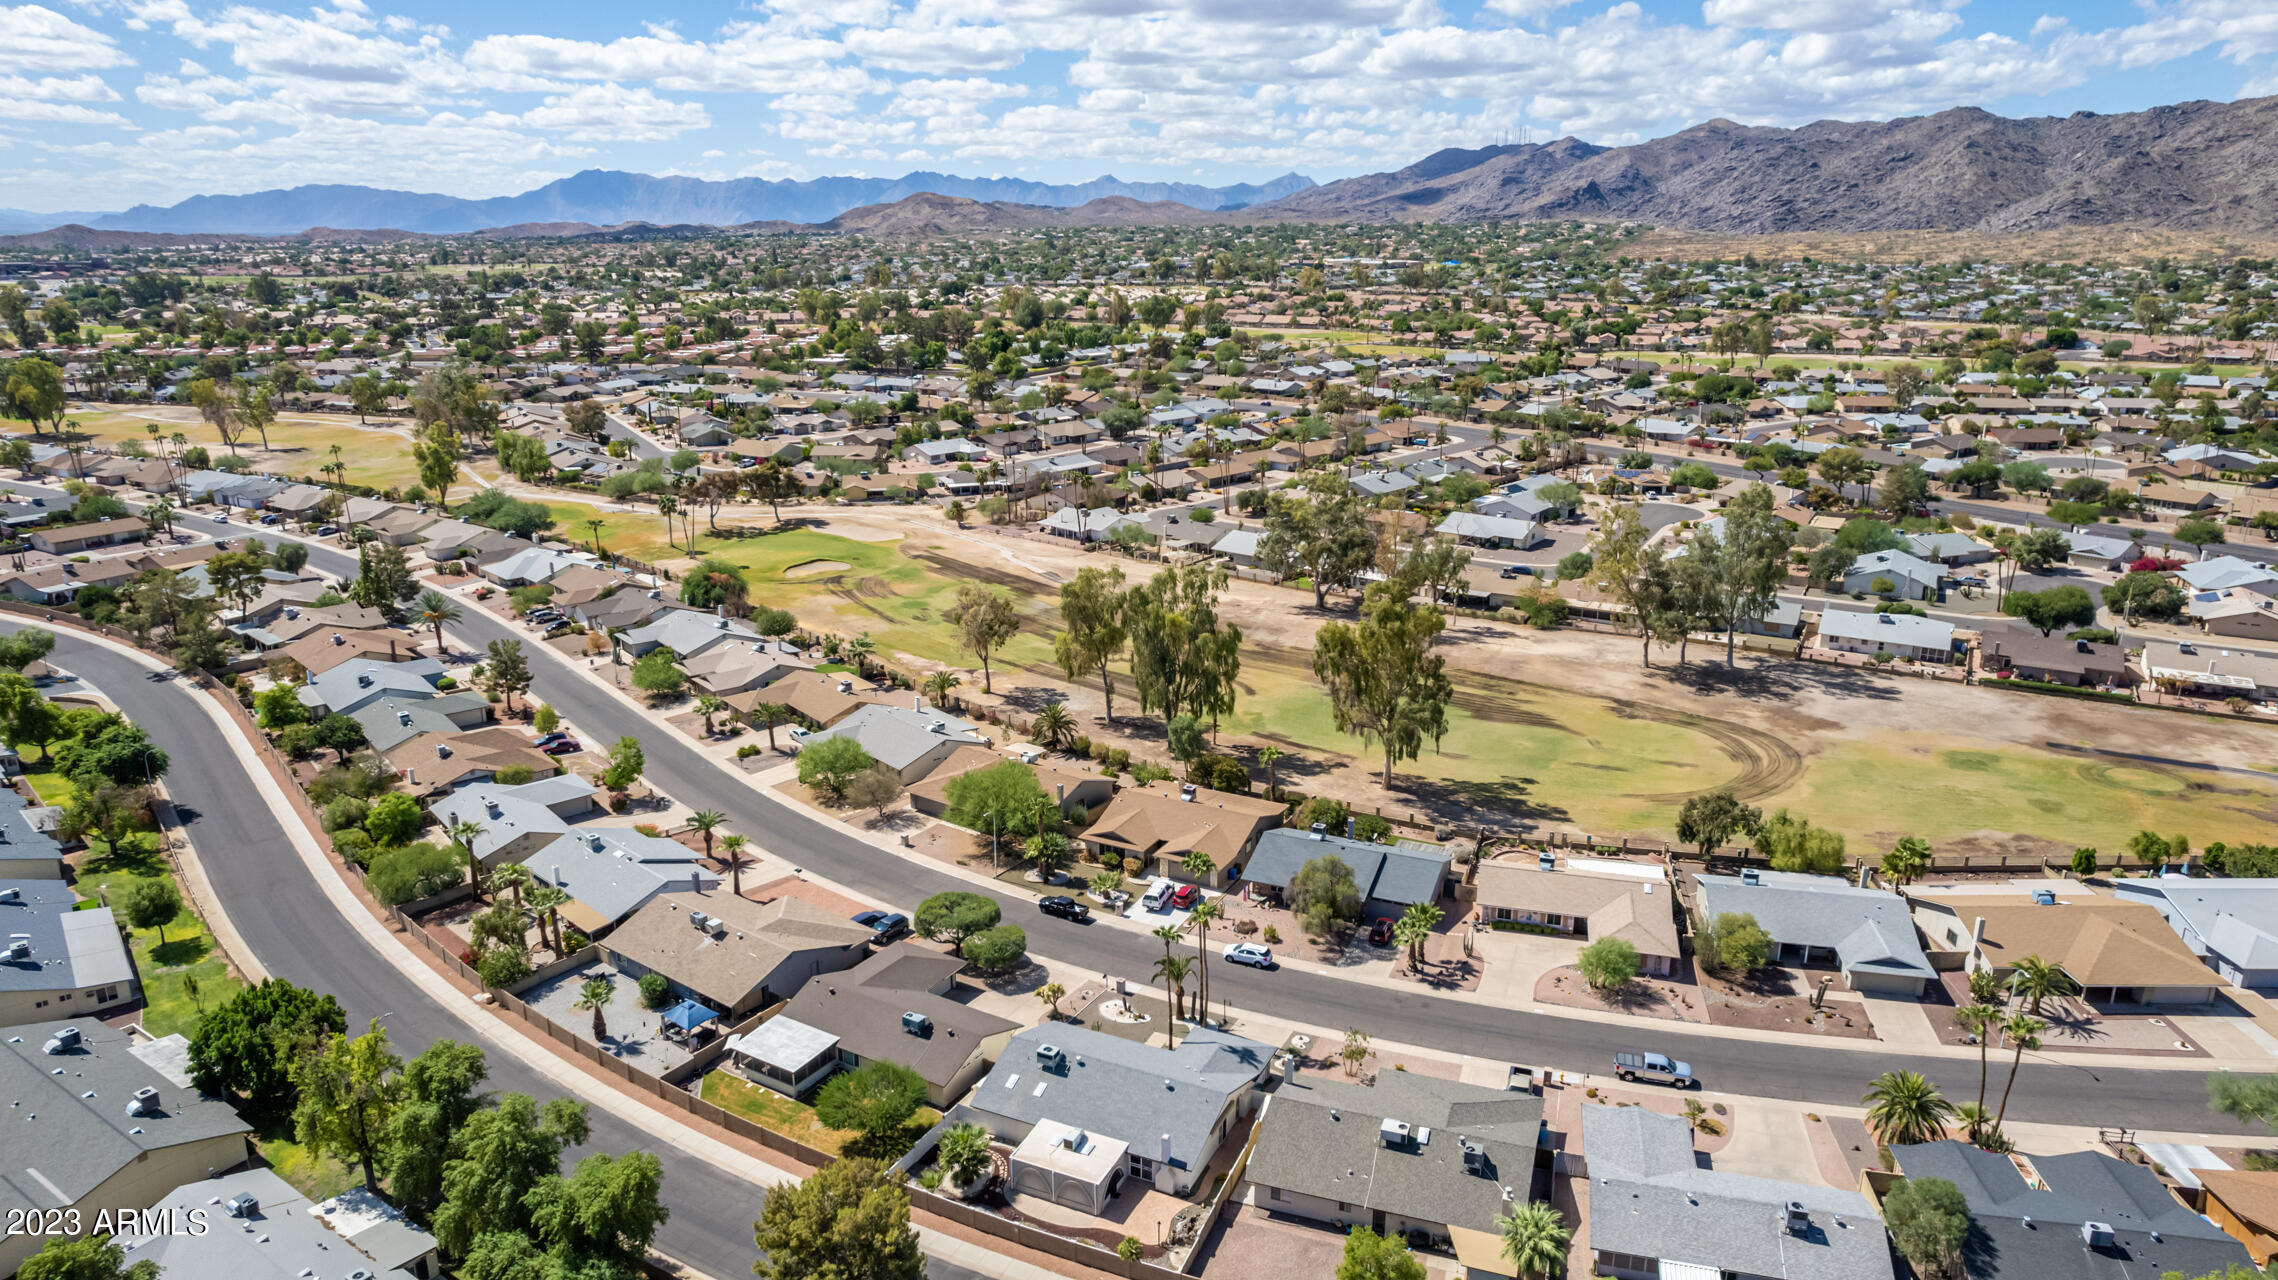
(602, 197)
(2209, 166)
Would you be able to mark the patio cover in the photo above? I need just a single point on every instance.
(688, 1015)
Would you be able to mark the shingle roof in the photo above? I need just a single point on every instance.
(69, 949)
(1384, 873)
(898, 737)
(618, 872)
(863, 1007)
(1129, 1091)
(1868, 929)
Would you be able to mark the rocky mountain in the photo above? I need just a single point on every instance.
(922, 215)
(2209, 166)
(604, 198)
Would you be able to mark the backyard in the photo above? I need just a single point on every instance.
(796, 1120)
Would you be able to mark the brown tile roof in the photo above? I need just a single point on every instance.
(2098, 942)
(321, 651)
(1634, 909)
(1155, 820)
(726, 967)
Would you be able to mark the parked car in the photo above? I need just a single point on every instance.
(566, 747)
(1380, 933)
(272, 518)
(1158, 897)
(1656, 1067)
(1186, 895)
(1249, 953)
(327, 530)
(1065, 907)
(888, 925)
(546, 740)
(223, 518)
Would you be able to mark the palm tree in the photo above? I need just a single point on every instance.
(1168, 935)
(1904, 1108)
(666, 505)
(1267, 756)
(708, 706)
(2024, 1032)
(938, 685)
(1534, 1239)
(1173, 970)
(514, 877)
(1416, 925)
(704, 822)
(732, 850)
(596, 995)
(1054, 725)
(859, 649)
(1979, 1020)
(1974, 1120)
(464, 833)
(2036, 979)
(433, 609)
(769, 715)
(545, 902)
(1200, 917)
(1197, 864)
(595, 526)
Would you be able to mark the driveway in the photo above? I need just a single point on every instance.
(1517, 962)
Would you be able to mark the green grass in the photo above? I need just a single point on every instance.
(317, 1177)
(796, 1120)
(168, 967)
(377, 458)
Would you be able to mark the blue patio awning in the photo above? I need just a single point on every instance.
(688, 1015)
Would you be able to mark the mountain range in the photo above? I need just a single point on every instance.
(602, 198)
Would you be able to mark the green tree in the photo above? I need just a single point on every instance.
(985, 619)
(1183, 657)
(1709, 819)
(1534, 1238)
(998, 950)
(1793, 844)
(349, 1091)
(394, 819)
(596, 994)
(955, 916)
(1324, 894)
(847, 1221)
(1325, 535)
(1929, 1221)
(87, 1258)
(1369, 1256)
(151, 903)
(506, 669)
(603, 1215)
(654, 673)
(437, 1093)
(25, 646)
(247, 1044)
(1904, 1108)
(2034, 979)
(1733, 943)
(1745, 565)
(625, 764)
(963, 1153)
(2199, 535)
(435, 610)
(1001, 799)
(2060, 608)
(1384, 682)
(2251, 1098)
(499, 1157)
(437, 451)
(2022, 1031)
(1907, 860)
(715, 584)
(1092, 634)
(2084, 862)
(1629, 570)
(827, 765)
(383, 579)
(1609, 964)
(875, 1099)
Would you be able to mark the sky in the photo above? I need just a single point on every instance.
(107, 103)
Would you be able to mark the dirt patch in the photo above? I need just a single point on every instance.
(816, 568)
(1644, 997)
(1780, 1000)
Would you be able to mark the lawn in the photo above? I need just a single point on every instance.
(796, 1120)
(377, 458)
(317, 1177)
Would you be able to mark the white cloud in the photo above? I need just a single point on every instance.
(55, 112)
(612, 113)
(86, 88)
(37, 38)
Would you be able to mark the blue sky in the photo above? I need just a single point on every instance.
(105, 103)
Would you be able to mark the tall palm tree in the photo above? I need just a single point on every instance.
(1168, 935)
(1267, 756)
(1904, 1108)
(938, 685)
(666, 506)
(546, 902)
(768, 715)
(1200, 917)
(732, 850)
(860, 649)
(433, 609)
(1979, 1020)
(2035, 980)
(464, 833)
(515, 878)
(1173, 970)
(704, 822)
(2024, 1032)
(594, 525)
(1054, 726)
(708, 706)
(1534, 1239)
(596, 995)
(1414, 927)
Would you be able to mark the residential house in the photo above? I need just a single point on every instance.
(684, 633)
(257, 1227)
(1823, 920)
(114, 1131)
(2231, 924)
(72, 539)
(1391, 878)
(2174, 499)
(1586, 899)
(1902, 635)
(1494, 531)
(1412, 1154)
(1161, 823)
(2029, 655)
(436, 760)
(2244, 1203)
(57, 961)
(393, 719)
(1657, 1214)
(610, 873)
(1948, 549)
(815, 699)
(2082, 1214)
(26, 851)
(322, 649)
(1909, 576)
(2237, 613)
(2096, 551)
(2205, 669)
(1087, 1112)
(529, 566)
(733, 954)
(354, 683)
(901, 1005)
(518, 821)
(2115, 950)
(910, 741)
(734, 668)
(1077, 792)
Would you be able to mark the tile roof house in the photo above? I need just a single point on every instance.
(865, 1012)
(1656, 1214)
(1411, 1153)
(1390, 877)
(1162, 822)
(910, 741)
(1089, 1111)
(1818, 919)
(57, 961)
(610, 873)
(1588, 898)
(2232, 924)
(2082, 1215)
(734, 954)
(76, 1144)
(2118, 951)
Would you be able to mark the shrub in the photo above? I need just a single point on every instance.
(394, 820)
(999, 950)
(1130, 1249)
(352, 845)
(502, 967)
(1322, 810)
(344, 812)
(748, 750)
(1609, 964)
(1369, 826)
(955, 917)
(1272, 936)
(655, 991)
(412, 872)
(1733, 943)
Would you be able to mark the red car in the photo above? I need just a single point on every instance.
(1380, 933)
(1186, 895)
(566, 747)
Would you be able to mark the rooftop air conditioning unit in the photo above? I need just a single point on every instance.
(2096, 1235)
(1546, 860)
(17, 949)
(64, 1039)
(698, 921)
(1320, 831)
(1393, 1133)
(1051, 1055)
(846, 686)
(2044, 897)
(1186, 792)
(1798, 1218)
(11, 894)
(917, 1024)
(1474, 1157)
(144, 1101)
(241, 1205)
(363, 679)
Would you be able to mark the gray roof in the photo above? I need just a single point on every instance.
(617, 872)
(1887, 628)
(359, 680)
(1650, 1197)
(863, 1008)
(1321, 1138)
(393, 720)
(898, 737)
(685, 632)
(1898, 564)
(1385, 873)
(72, 1131)
(20, 836)
(2235, 920)
(784, 1042)
(71, 949)
(507, 814)
(2025, 1231)
(1868, 929)
(1132, 1092)
(284, 1239)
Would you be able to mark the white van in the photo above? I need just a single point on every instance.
(1159, 896)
